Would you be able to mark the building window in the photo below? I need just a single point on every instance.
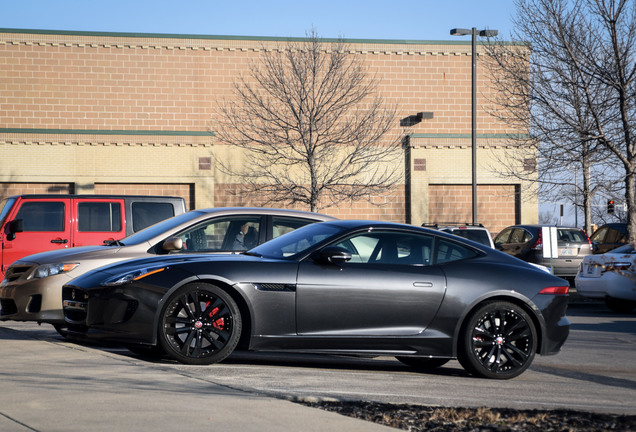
(205, 163)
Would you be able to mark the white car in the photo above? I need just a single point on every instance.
(610, 276)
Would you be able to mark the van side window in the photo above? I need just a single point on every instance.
(145, 214)
(42, 216)
(98, 217)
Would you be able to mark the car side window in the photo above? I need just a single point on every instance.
(236, 233)
(282, 225)
(613, 236)
(519, 236)
(389, 248)
(98, 217)
(504, 236)
(448, 251)
(599, 236)
(42, 216)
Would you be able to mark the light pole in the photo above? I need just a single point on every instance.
(474, 33)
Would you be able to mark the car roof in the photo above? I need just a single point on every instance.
(265, 211)
(535, 226)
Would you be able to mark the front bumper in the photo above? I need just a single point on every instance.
(37, 300)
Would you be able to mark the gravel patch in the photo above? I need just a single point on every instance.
(417, 418)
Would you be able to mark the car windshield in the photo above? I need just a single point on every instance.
(297, 241)
(159, 228)
(5, 207)
(571, 236)
(479, 236)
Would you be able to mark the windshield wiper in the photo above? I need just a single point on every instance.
(250, 253)
(113, 243)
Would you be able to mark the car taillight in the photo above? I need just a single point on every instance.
(538, 245)
(588, 240)
(556, 290)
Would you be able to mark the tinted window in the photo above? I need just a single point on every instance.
(283, 225)
(99, 216)
(42, 216)
(145, 214)
(389, 248)
(614, 236)
(599, 235)
(448, 251)
(503, 236)
(480, 236)
(520, 236)
(235, 233)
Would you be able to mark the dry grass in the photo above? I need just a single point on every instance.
(417, 418)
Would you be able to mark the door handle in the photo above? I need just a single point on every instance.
(59, 241)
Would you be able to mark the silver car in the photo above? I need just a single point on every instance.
(32, 288)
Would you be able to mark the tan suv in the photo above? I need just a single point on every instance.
(32, 288)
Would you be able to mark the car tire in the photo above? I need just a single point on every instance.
(498, 340)
(61, 330)
(423, 363)
(199, 324)
(620, 305)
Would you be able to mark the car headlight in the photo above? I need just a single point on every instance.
(46, 270)
(134, 275)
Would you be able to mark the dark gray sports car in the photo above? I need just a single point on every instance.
(342, 287)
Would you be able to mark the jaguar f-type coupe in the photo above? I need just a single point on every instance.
(339, 287)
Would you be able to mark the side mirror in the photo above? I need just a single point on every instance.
(172, 244)
(334, 255)
(15, 226)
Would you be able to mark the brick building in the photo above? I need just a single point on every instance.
(93, 112)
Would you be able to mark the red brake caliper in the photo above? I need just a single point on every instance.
(218, 323)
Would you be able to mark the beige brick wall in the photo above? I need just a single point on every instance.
(168, 189)
(9, 189)
(496, 205)
(133, 86)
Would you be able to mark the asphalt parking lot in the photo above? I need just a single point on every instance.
(50, 384)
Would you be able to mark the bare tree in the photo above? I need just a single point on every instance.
(311, 128)
(555, 83)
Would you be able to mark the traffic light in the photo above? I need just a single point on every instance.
(610, 206)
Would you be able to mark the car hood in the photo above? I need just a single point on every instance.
(72, 254)
(155, 261)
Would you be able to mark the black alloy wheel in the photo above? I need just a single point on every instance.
(423, 363)
(199, 324)
(499, 341)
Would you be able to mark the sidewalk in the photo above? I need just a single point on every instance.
(48, 384)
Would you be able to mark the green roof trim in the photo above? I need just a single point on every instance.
(222, 37)
(103, 132)
(468, 136)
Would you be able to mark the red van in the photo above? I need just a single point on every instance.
(36, 223)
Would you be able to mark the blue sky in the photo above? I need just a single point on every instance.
(371, 19)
